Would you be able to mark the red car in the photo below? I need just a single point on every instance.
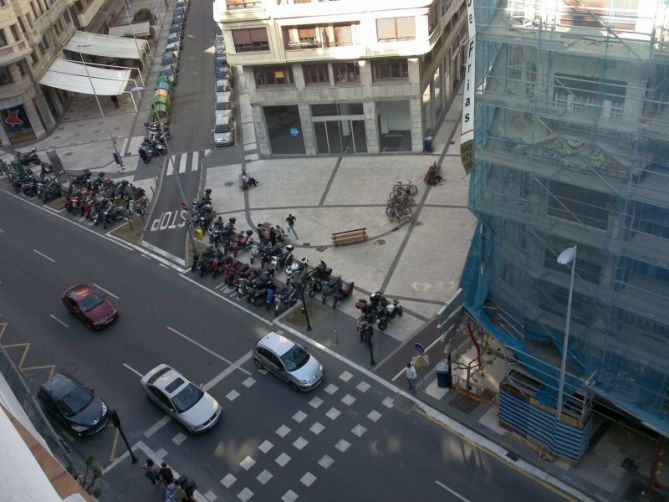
(90, 306)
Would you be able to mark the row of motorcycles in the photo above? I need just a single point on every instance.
(257, 284)
(155, 140)
(45, 186)
(104, 201)
(378, 310)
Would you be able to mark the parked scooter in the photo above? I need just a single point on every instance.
(285, 298)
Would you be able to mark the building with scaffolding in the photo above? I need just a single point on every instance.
(571, 146)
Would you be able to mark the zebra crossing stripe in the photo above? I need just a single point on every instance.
(183, 162)
(170, 166)
(195, 163)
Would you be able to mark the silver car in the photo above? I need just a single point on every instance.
(181, 399)
(223, 85)
(288, 361)
(224, 110)
(224, 132)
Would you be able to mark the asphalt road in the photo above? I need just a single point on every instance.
(351, 439)
(191, 127)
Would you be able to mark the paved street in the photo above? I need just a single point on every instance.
(271, 442)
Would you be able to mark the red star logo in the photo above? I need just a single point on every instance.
(13, 119)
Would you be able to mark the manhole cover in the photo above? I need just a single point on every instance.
(379, 242)
(321, 248)
(229, 183)
(306, 244)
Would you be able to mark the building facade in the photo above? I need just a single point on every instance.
(32, 34)
(345, 76)
(571, 148)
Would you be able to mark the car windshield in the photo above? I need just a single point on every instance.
(222, 128)
(295, 358)
(75, 401)
(90, 302)
(223, 105)
(223, 87)
(187, 398)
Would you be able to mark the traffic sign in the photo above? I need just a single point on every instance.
(421, 361)
(420, 348)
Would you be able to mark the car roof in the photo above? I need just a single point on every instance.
(79, 292)
(167, 379)
(223, 96)
(276, 343)
(59, 385)
(222, 121)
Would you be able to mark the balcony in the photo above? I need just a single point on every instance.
(243, 4)
(15, 52)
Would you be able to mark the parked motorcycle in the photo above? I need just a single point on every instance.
(29, 158)
(296, 268)
(285, 298)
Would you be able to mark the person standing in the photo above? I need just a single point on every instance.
(291, 224)
(151, 471)
(166, 474)
(410, 373)
(272, 236)
(143, 156)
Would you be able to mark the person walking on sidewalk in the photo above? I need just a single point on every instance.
(143, 156)
(166, 474)
(410, 373)
(291, 224)
(151, 471)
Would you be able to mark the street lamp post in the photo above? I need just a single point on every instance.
(568, 256)
(300, 287)
(117, 156)
(116, 421)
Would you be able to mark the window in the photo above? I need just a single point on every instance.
(33, 56)
(432, 19)
(310, 36)
(32, 6)
(346, 73)
(242, 4)
(23, 28)
(396, 28)
(42, 49)
(252, 39)
(5, 76)
(272, 75)
(390, 69)
(316, 73)
(3, 40)
(15, 32)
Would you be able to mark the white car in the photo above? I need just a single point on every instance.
(288, 361)
(223, 85)
(224, 110)
(224, 132)
(181, 399)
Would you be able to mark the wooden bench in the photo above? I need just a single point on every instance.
(349, 237)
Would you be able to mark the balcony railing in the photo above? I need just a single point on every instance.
(13, 52)
(243, 4)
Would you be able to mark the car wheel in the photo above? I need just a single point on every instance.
(258, 364)
(294, 386)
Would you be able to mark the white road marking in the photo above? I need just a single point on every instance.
(164, 253)
(2, 231)
(106, 291)
(206, 349)
(170, 166)
(183, 161)
(237, 365)
(58, 320)
(195, 164)
(452, 492)
(44, 256)
(164, 266)
(401, 372)
(133, 370)
(249, 312)
(157, 426)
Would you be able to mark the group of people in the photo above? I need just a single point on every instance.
(162, 475)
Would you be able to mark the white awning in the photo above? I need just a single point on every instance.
(96, 44)
(71, 76)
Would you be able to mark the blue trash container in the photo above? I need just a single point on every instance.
(427, 145)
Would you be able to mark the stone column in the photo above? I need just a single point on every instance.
(371, 130)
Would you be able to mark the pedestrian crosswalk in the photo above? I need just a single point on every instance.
(183, 162)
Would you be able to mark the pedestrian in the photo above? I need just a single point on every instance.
(171, 491)
(115, 101)
(410, 373)
(272, 236)
(151, 470)
(166, 474)
(253, 182)
(143, 156)
(291, 224)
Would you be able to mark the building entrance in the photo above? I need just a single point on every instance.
(339, 128)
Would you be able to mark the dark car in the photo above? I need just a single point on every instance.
(179, 18)
(90, 306)
(177, 28)
(73, 405)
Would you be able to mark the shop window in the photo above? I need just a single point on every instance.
(252, 39)
(5, 76)
(390, 69)
(346, 73)
(396, 28)
(272, 75)
(316, 73)
(330, 109)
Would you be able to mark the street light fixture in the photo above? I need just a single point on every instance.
(568, 256)
(117, 156)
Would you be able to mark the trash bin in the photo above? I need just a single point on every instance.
(427, 145)
(444, 375)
